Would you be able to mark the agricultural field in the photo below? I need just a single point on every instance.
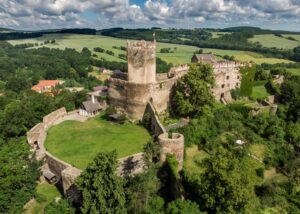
(78, 143)
(218, 34)
(181, 54)
(270, 40)
(294, 71)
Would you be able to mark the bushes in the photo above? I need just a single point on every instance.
(248, 74)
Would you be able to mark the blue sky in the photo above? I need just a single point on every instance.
(99, 14)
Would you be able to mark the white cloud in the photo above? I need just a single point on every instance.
(29, 14)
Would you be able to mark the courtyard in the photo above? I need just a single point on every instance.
(77, 143)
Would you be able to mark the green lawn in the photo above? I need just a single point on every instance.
(45, 194)
(270, 40)
(182, 53)
(259, 91)
(78, 143)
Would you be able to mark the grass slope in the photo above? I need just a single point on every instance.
(259, 90)
(182, 53)
(78, 143)
(45, 194)
(270, 40)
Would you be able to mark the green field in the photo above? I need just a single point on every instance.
(78, 143)
(259, 90)
(294, 71)
(270, 41)
(182, 53)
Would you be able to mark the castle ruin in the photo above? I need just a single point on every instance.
(130, 93)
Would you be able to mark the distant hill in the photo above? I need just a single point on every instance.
(256, 30)
(8, 34)
(6, 30)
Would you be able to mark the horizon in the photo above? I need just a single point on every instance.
(184, 14)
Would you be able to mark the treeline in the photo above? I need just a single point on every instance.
(27, 35)
(238, 40)
(162, 35)
(256, 30)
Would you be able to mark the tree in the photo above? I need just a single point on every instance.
(293, 133)
(192, 92)
(183, 207)
(102, 190)
(62, 207)
(226, 185)
(18, 173)
(142, 190)
(248, 75)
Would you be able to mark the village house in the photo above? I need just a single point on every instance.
(204, 58)
(46, 86)
(90, 108)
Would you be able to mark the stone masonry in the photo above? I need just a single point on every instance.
(130, 94)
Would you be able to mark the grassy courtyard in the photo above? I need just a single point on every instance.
(181, 53)
(78, 143)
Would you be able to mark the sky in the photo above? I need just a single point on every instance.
(100, 14)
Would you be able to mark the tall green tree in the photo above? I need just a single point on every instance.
(102, 190)
(192, 93)
(18, 175)
(142, 192)
(226, 185)
(183, 207)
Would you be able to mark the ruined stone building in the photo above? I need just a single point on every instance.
(130, 93)
(227, 75)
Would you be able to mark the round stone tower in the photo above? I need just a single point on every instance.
(141, 56)
(172, 145)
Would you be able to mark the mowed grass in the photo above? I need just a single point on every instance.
(270, 40)
(182, 53)
(78, 143)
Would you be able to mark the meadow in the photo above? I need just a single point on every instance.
(78, 143)
(181, 54)
(294, 71)
(270, 41)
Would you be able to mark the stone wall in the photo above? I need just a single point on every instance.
(132, 98)
(51, 118)
(227, 77)
(130, 165)
(172, 145)
(64, 172)
(156, 126)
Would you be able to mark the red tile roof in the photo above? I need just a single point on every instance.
(45, 85)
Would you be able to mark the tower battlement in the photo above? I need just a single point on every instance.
(141, 56)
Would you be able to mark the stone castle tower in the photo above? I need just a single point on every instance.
(141, 57)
